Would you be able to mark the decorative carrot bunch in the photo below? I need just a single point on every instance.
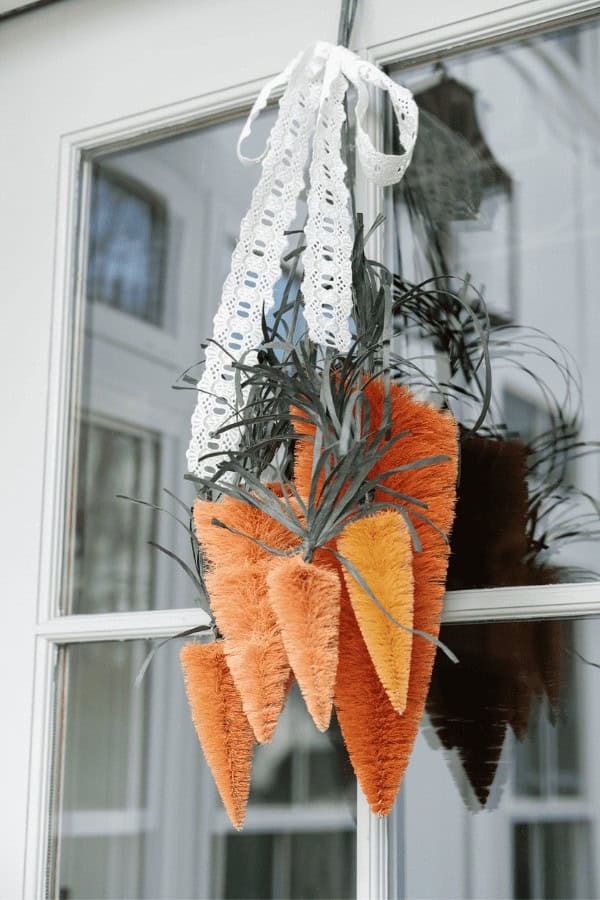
(394, 565)
(332, 574)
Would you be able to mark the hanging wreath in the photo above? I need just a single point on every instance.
(326, 465)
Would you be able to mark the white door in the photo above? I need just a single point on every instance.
(130, 110)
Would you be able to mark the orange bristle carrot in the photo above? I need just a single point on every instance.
(222, 547)
(237, 588)
(306, 600)
(373, 731)
(432, 433)
(253, 646)
(221, 726)
(379, 547)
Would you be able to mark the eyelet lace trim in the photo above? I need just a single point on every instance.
(311, 109)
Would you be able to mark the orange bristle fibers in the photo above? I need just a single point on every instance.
(379, 547)
(237, 585)
(306, 600)
(304, 453)
(223, 548)
(432, 432)
(373, 731)
(221, 726)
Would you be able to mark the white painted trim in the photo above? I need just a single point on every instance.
(157, 623)
(167, 121)
(40, 808)
(12, 7)
(552, 601)
(558, 810)
(506, 23)
(101, 822)
(372, 853)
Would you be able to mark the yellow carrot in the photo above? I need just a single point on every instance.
(379, 548)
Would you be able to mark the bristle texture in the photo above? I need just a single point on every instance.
(220, 723)
(253, 645)
(431, 433)
(379, 547)
(306, 601)
(237, 586)
(222, 547)
(373, 731)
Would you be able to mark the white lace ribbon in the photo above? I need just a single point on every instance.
(311, 109)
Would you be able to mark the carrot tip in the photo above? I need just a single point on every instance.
(220, 723)
(306, 600)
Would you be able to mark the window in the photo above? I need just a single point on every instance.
(83, 373)
(481, 202)
(111, 571)
(552, 859)
(501, 797)
(482, 210)
(135, 803)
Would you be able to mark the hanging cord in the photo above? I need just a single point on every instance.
(347, 16)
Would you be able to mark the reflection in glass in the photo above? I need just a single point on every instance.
(290, 865)
(502, 198)
(114, 565)
(139, 815)
(501, 797)
(162, 222)
(552, 859)
(127, 244)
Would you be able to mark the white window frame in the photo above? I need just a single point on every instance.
(377, 863)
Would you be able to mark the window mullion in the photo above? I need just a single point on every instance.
(122, 626)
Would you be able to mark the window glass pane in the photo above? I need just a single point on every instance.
(138, 814)
(114, 564)
(127, 244)
(502, 797)
(504, 191)
(552, 859)
(162, 221)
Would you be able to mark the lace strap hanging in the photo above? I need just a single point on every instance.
(311, 109)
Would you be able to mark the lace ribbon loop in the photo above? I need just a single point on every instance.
(385, 169)
(260, 103)
(311, 109)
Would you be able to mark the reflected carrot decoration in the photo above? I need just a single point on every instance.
(379, 547)
(306, 601)
(237, 586)
(220, 723)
